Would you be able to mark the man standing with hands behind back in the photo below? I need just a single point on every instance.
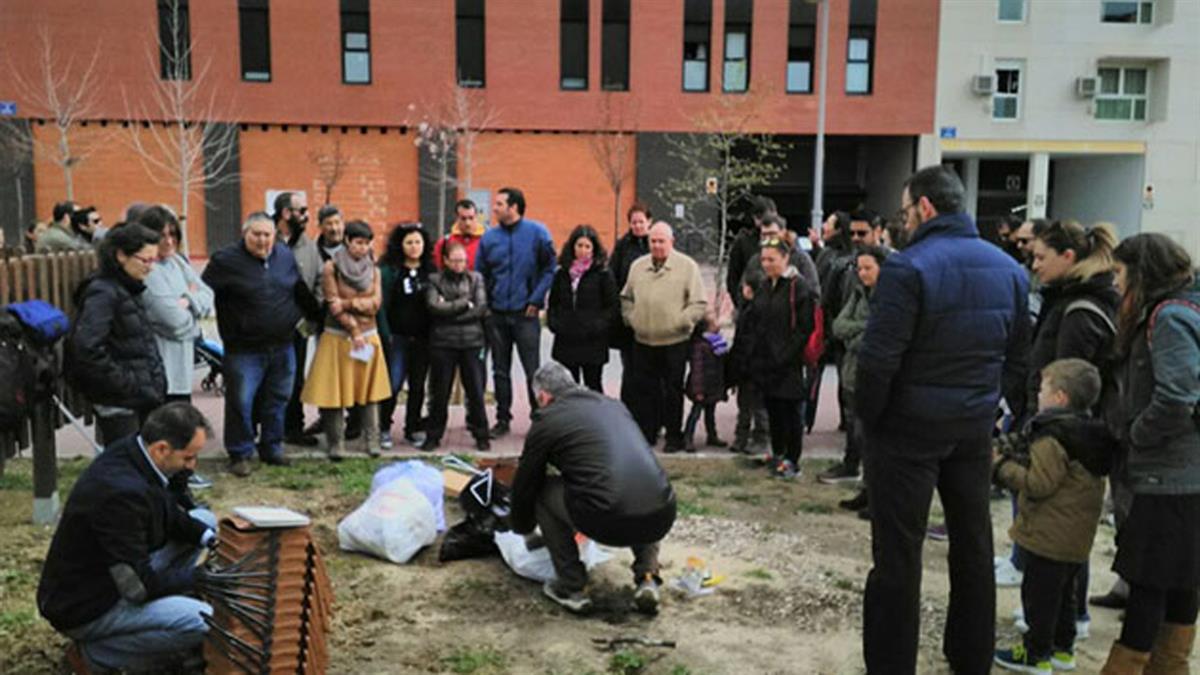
(948, 325)
(517, 261)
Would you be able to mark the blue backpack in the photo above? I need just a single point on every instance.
(44, 323)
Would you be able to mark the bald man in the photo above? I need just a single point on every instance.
(663, 300)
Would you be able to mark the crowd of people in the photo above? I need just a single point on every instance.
(1045, 363)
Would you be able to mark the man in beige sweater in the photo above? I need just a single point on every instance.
(662, 302)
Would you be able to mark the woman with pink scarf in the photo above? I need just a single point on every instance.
(584, 307)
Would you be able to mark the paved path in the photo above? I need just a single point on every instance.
(825, 441)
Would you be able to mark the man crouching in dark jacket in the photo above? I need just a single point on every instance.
(610, 487)
(125, 553)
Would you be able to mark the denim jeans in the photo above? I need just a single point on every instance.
(152, 635)
(506, 329)
(263, 378)
(408, 359)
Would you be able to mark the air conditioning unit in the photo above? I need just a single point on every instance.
(1086, 87)
(983, 85)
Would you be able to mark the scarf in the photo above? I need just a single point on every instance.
(578, 267)
(357, 273)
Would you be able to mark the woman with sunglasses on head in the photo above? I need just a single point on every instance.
(773, 330)
(1156, 419)
(111, 355)
(404, 326)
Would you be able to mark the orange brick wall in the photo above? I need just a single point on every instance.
(562, 182)
(379, 183)
(110, 177)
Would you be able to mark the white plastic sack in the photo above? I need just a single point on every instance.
(536, 564)
(424, 477)
(394, 523)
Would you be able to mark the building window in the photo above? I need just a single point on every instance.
(802, 33)
(1112, 11)
(254, 28)
(469, 39)
(697, 27)
(356, 41)
(174, 40)
(860, 47)
(1123, 94)
(573, 44)
(614, 46)
(1011, 11)
(739, 15)
(1006, 101)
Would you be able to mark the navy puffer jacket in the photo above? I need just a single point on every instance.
(948, 325)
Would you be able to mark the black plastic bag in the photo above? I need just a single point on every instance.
(468, 539)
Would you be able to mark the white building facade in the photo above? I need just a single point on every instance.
(1084, 109)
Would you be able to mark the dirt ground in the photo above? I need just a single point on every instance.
(790, 601)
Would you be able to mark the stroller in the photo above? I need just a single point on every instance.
(211, 354)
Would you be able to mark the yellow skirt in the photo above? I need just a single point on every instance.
(338, 381)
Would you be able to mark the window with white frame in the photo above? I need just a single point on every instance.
(1123, 93)
(1006, 100)
(1011, 11)
(1127, 11)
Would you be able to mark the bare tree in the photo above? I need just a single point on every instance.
(612, 151)
(449, 131)
(331, 165)
(723, 163)
(182, 141)
(62, 90)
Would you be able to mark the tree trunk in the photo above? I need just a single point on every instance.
(64, 154)
(616, 214)
(443, 176)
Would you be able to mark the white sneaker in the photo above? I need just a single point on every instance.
(1008, 576)
(1083, 629)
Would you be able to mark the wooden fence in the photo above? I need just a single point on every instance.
(52, 278)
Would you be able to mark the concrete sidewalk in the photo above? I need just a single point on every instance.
(824, 442)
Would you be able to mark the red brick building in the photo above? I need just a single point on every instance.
(355, 78)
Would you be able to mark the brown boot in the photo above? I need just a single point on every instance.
(1124, 661)
(1171, 650)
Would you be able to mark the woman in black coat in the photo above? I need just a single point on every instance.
(778, 321)
(583, 306)
(111, 356)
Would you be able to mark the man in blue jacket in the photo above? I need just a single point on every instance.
(517, 261)
(948, 328)
(258, 293)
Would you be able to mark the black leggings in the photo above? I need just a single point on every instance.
(1148, 608)
(787, 427)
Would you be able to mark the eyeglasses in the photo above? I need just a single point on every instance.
(302, 210)
(860, 234)
(145, 261)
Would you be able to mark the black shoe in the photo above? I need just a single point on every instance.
(302, 440)
(313, 429)
(715, 442)
(737, 449)
(855, 503)
(276, 460)
(1109, 600)
(672, 448)
(239, 467)
(499, 430)
(865, 514)
(415, 439)
(838, 473)
(428, 444)
(482, 444)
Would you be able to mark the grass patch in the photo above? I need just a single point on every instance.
(844, 584)
(484, 659)
(688, 508)
(16, 619)
(723, 479)
(746, 498)
(16, 481)
(817, 508)
(759, 573)
(627, 662)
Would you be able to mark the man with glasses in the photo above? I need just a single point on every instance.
(948, 327)
(291, 217)
(60, 236)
